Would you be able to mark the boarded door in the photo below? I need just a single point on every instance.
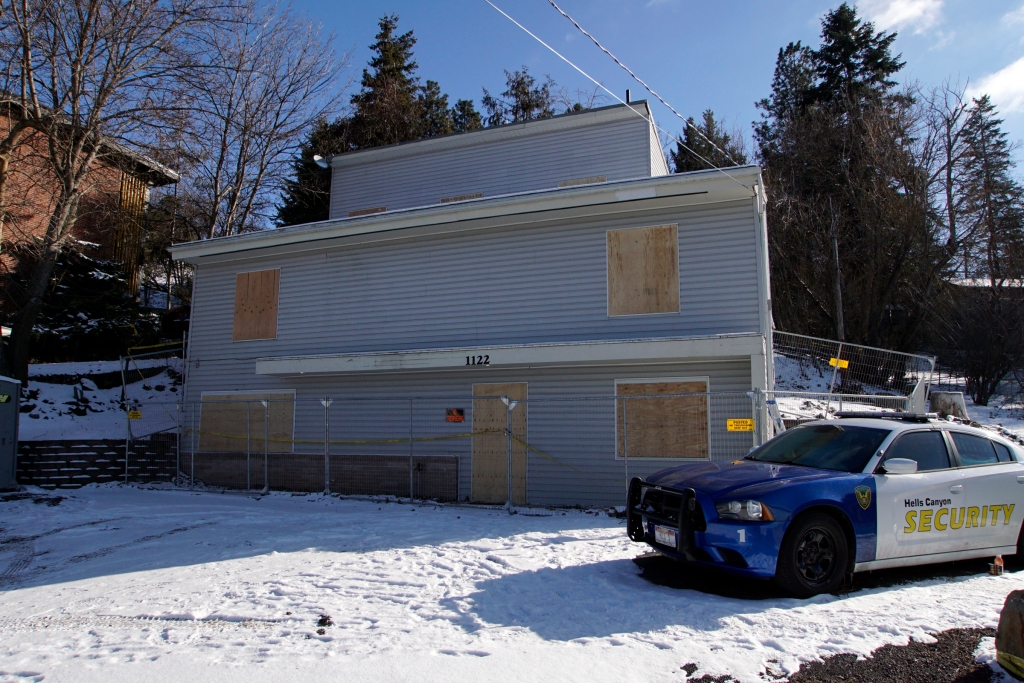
(490, 444)
(237, 422)
(670, 427)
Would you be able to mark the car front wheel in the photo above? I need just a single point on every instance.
(813, 557)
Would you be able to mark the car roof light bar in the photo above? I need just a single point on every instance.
(906, 417)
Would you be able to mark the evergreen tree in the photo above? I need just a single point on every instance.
(88, 312)
(307, 194)
(465, 117)
(388, 108)
(523, 99)
(435, 117)
(837, 145)
(853, 63)
(697, 143)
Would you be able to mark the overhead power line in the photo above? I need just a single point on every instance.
(641, 82)
(616, 97)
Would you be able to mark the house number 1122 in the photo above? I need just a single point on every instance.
(478, 360)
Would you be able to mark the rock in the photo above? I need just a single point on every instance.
(949, 403)
(1010, 635)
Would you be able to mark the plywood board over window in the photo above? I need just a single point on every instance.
(256, 295)
(656, 427)
(239, 423)
(643, 270)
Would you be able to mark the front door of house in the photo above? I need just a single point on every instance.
(490, 443)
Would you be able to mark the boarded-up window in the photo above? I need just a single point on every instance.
(643, 270)
(256, 305)
(239, 423)
(662, 427)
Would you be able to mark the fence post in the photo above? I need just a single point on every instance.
(193, 443)
(248, 446)
(508, 431)
(410, 450)
(832, 384)
(177, 435)
(266, 445)
(327, 445)
(625, 442)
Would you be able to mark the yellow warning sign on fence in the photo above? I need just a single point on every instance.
(739, 424)
(134, 414)
(841, 364)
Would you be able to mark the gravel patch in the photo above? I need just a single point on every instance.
(948, 660)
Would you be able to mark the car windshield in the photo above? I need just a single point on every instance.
(829, 447)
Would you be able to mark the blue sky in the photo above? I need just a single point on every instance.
(695, 54)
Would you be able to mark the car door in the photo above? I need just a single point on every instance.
(915, 510)
(995, 497)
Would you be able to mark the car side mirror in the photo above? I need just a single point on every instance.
(899, 466)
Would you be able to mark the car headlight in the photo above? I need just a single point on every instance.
(747, 510)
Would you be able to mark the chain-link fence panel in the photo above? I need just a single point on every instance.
(822, 365)
(484, 449)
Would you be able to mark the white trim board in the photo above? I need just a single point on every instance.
(518, 356)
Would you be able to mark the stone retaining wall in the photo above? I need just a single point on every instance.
(72, 464)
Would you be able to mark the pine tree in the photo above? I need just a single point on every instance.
(388, 107)
(853, 62)
(465, 117)
(88, 312)
(307, 194)
(523, 99)
(837, 146)
(727, 149)
(435, 117)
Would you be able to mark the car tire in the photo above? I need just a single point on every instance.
(814, 556)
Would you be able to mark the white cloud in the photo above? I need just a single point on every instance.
(1006, 87)
(920, 15)
(1014, 17)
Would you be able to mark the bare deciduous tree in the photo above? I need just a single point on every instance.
(264, 77)
(86, 75)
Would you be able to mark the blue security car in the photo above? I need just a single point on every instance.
(833, 497)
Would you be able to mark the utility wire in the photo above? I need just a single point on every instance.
(641, 82)
(616, 97)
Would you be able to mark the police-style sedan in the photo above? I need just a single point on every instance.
(832, 497)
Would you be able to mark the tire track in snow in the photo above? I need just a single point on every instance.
(113, 621)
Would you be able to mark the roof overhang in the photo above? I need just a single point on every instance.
(601, 199)
(480, 358)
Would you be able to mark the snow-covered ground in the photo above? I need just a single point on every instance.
(75, 408)
(123, 584)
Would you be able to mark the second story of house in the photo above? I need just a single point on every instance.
(607, 144)
(664, 257)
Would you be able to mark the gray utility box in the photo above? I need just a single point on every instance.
(10, 393)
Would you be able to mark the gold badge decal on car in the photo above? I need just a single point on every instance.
(863, 497)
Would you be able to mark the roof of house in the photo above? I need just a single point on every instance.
(605, 198)
(141, 165)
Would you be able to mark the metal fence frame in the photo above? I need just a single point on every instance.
(859, 370)
(572, 441)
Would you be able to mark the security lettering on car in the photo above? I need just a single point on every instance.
(833, 497)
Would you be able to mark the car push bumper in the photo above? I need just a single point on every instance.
(674, 522)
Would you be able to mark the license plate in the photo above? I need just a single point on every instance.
(665, 536)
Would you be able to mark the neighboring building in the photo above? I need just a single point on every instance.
(110, 212)
(554, 258)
